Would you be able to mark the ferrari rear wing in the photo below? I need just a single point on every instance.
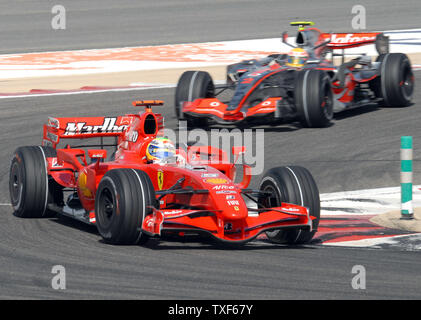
(82, 128)
(94, 127)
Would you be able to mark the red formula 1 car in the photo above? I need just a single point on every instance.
(274, 90)
(130, 199)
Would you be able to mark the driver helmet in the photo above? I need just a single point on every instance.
(297, 58)
(160, 150)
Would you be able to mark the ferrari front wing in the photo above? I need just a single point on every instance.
(228, 230)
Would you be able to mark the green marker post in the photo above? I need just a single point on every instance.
(407, 211)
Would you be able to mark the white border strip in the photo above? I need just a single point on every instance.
(371, 242)
(29, 95)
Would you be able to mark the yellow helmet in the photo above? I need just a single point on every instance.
(297, 58)
(160, 150)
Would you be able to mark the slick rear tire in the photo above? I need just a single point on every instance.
(193, 85)
(396, 83)
(121, 204)
(294, 185)
(30, 187)
(313, 98)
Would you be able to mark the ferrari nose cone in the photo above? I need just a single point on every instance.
(228, 199)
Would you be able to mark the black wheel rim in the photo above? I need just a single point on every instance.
(274, 199)
(107, 207)
(16, 185)
(327, 102)
(407, 84)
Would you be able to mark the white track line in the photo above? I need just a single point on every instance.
(401, 241)
(209, 53)
(365, 202)
(400, 41)
(36, 95)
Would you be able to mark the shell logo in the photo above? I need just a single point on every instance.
(216, 181)
(82, 185)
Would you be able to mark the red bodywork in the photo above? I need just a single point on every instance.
(217, 108)
(219, 209)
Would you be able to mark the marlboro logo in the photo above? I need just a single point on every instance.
(108, 126)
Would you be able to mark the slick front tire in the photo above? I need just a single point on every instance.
(29, 185)
(193, 85)
(396, 83)
(123, 199)
(313, 98)
(294, 185)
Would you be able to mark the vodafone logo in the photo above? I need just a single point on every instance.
(351, 38)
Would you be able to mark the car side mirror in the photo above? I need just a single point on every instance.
(285, 38)
(97, 153)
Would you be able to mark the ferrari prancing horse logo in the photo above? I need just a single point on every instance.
(160, 179)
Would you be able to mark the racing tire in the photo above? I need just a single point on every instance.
(193, 85)
(30, 187)
(313, 98)
(396, 83)
(123, 198)
(292, 184)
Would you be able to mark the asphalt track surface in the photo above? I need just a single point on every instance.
(361, 150)
(25, 25)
